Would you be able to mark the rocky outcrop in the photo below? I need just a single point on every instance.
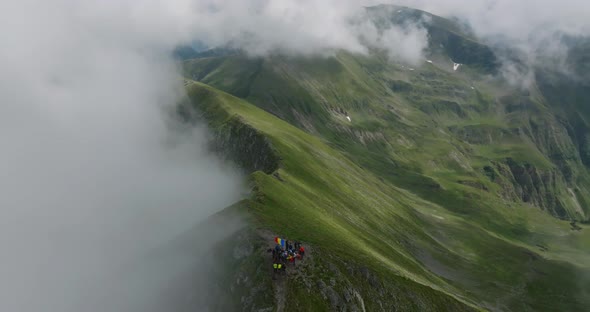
(481, 134)
(244, 278)
(233, 138)
(442, 107)
(323, 282)
(246, 146)
(364, 137)
(524, 182)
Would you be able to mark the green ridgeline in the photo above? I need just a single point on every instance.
(420, 187)
(429, 130)
(478, 252)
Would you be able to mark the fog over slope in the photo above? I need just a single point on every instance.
(307, 27)
(94, 171)
(517, 20)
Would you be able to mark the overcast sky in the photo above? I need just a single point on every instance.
(91, 174)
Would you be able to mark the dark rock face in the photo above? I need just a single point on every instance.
(335, 300)
(248, 148)
(233, 138)
(465, 51)
(480, 134)
(243, 250)
(400, 86)
(529, 184)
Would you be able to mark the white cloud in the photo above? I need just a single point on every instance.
(92, 171)
(531, 27)
(517, 20)
(301, 28)
(405, 43)
(321, 27)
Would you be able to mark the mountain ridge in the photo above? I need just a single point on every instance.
(274, 208)
(451, 178)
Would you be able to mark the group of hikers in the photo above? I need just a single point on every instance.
(285, 252)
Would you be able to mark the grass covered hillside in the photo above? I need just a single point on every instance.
(417, 187)
(424, 255)
(438, 133)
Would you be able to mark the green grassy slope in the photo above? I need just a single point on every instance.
(425, 256)
(451, 187)
(430, 130)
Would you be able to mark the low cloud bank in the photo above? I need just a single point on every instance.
(303, 28)
(95, 171)
(535, 32)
